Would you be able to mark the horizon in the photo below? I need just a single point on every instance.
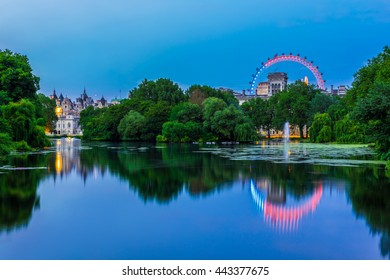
(111, 46)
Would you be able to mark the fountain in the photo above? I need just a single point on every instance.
(286, 132)
(286, 137)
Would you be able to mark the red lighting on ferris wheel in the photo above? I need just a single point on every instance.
(292, 58)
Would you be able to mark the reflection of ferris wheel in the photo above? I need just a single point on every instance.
(286, 217)
(293, 58)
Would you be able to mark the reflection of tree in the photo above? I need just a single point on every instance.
(164, 172)
(18, 192)
(369, 194)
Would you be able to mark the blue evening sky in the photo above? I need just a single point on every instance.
(110, 46)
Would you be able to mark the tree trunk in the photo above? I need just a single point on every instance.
(269, 133)
(301, 132)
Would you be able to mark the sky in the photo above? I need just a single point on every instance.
(110, 46)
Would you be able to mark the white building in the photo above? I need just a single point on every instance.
(68, 124)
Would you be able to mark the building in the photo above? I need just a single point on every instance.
(277, 82)
(341, 90)
(68, 113)
(262, 89)
(100, 103)
(115, 101)
(68, 125)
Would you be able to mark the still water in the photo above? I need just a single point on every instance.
(273, 200)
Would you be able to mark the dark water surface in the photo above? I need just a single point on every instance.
(137, 201)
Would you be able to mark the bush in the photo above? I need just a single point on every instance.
(5, 144)
(22, 146)
(161, 139)
(388, 169)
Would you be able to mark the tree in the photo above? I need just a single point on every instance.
(245, 132)
(45, 111)
(197, 94)
(210, 106)
(321, 128)
(16, 78)
(5, 144)
(374, 111)
(185, 112)
(376, 71)
(261, 112)
(320, 104)
(131, 126)
(224, 122)
(161, 90)
(20, 117)
(347, 130)
(293, 105)
(156, 116)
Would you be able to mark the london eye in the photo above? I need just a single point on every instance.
(289, 58)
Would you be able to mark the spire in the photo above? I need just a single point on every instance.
(54, 96)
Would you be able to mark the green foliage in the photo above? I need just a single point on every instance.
(161, 90)
(224, 122)
(38, 138)
(261, 112)
(347, 130)
(5, 144)
(174, 131)
(376, 71)
(325, 134)
(197, 94)
(16, 78)
(22, 146)
(374, 111)
(320, 130)
(102, 124)
(4, 125)
(320, 104)
(185, 112)
(20, 117)
(161, 139)
(45, 112)
(210, 106)
(23, 113)
(245, 132)
(388, 169)
(131, 126)
(156, 116)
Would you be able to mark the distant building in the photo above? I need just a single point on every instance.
(341, 90)
(101, 103)
(262, 89)
(115, 101)
(68, 124)
(277, 82)
(68, 113)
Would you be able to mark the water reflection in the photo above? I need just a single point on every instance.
(285, 193)
(281, 214)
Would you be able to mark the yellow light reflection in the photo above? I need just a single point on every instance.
(58, 162)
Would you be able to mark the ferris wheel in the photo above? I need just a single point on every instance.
(291, 58)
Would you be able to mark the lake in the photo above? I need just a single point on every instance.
(272, 200)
